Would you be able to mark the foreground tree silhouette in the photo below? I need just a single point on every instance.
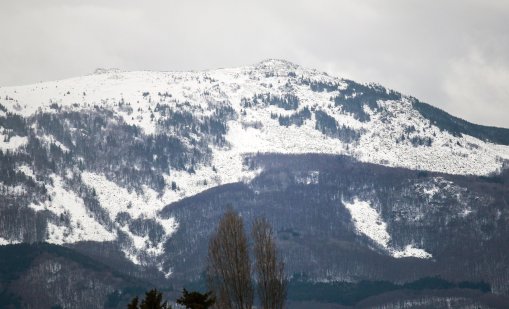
(133, 304)
(269, 268)
(153, 300)
(228, 269)
(196, 300)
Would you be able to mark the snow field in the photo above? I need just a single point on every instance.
(368, 222)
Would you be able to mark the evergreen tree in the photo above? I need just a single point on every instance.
(196, 300)
(153, 300)
(133, 304)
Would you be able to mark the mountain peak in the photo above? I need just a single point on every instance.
(106, 70)
(277, 64)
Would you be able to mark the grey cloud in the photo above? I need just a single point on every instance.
(453, 54)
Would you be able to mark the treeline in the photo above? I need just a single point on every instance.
(356, 96)
(457, 126)
(286, 101)
(184, 122)
(297, 118)
(28, 278)
(329, 126)
(349, 294)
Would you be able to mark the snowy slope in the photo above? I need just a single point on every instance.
(390, 132)
(451, 154)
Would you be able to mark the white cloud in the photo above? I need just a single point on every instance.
(477, 88)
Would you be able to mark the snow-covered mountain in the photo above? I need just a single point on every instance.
(100, 157)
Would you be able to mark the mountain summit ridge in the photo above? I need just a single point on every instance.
(145, 89)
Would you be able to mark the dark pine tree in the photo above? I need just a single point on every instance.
(153, 300)
(196, 300)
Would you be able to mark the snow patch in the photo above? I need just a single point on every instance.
(50, 139)
(411, 251)
(27, 170)
(437, 187)
(66, 204)
(167, 273)
(17, 190)
(308, 178)
(5, 242)
(12, 143)
(368, 222)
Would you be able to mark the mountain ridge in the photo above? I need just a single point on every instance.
(267, 63)
(99, 158)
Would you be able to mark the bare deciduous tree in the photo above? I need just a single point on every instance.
(271, 281)
(229, 270)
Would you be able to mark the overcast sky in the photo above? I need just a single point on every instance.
(452, 54)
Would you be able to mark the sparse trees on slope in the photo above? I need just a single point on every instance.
(269, 268)
(229, 269)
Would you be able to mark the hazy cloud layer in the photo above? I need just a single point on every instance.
(452, 54)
